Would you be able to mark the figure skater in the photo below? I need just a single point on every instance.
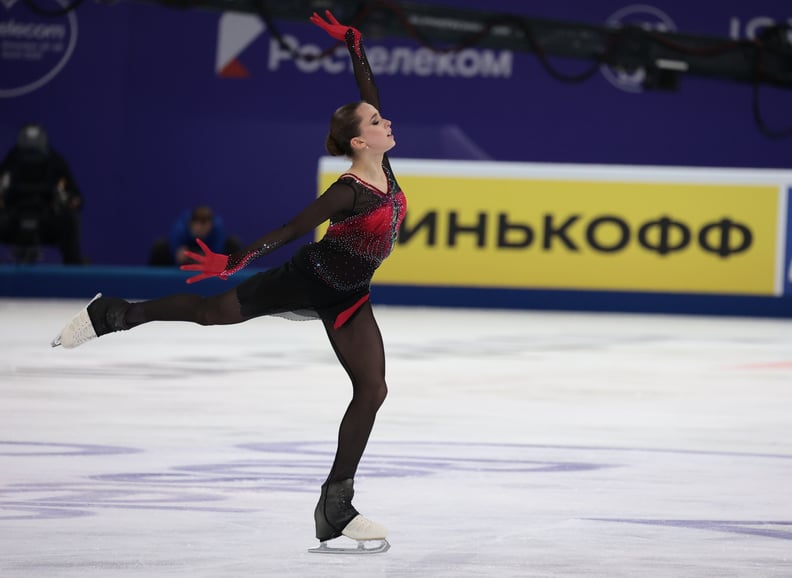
(328, 279)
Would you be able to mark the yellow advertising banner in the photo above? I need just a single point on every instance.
(558, 227)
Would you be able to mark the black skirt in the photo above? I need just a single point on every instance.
(292, 292)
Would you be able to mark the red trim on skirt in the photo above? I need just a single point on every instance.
(344, 316)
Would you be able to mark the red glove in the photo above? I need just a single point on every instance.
(209, 264)
(337, 30)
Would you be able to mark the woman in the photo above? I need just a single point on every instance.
(328, 279)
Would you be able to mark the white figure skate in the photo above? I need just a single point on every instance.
(78, 330)
(102, 315)
(370, 538)
(335, 517)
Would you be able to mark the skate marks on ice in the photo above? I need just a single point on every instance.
(507, 465)
(178, 367)
(779, 529)
(201, 490)
(49, 449)
(299, 467)
(284, 466)
(90, 494)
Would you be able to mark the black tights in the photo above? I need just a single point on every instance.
(358, 346)
(222, 309)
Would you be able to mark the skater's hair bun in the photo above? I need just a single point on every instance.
(344, 126)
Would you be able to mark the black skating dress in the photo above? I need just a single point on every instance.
(328, 279)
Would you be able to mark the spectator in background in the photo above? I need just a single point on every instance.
(198, 223)
(40, 202)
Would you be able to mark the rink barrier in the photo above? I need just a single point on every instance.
(58, 281)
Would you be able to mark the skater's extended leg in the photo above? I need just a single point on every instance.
(272, 291)
(222, 309)
(108, 314)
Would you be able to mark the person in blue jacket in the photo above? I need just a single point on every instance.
(198, 223)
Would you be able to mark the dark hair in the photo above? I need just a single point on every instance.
(201, 213)
(344, 126)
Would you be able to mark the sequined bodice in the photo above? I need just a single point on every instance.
(356, 244)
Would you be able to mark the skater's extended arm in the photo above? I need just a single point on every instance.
(338, 200)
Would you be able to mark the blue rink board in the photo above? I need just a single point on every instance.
(58, 281)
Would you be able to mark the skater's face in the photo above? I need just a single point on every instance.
(376, 134)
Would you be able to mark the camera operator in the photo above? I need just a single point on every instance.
(40, 202)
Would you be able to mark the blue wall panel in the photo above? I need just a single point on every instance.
(150, 125)
(135, 96)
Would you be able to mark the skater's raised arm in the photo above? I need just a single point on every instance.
(363, 77)
(360, 65)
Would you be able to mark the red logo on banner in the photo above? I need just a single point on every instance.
(235, 32)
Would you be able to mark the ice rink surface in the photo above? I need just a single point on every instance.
(512, 443)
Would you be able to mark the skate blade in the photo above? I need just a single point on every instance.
(363, 547)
